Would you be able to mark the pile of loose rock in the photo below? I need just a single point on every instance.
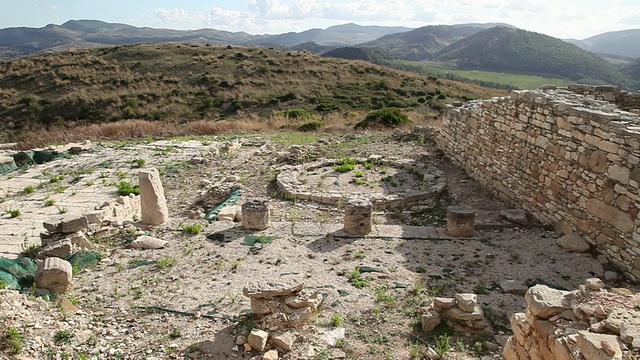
(461, 311)
(588, 323)
(280, 309)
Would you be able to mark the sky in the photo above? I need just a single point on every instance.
(577, 19)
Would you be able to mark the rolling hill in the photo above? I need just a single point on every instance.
(421, 43)
(621, 43)
(514, 50)
(178, 82)
(81, 34)
(633, 73)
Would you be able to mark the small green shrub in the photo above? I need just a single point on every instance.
(165, 262)
(345, 164)
(12, 341)
(125, 188)
(14, 212)
(137, 163)
(63, 337)
(29, 189)
(49, 202)
(386, 117)
(297, 114)
(311, 126)
(194, 228)
(337, 320)
(359, 174)
(443, 345)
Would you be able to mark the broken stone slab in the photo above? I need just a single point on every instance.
(544, 302)
(256, 214)
(574, 243)
(475, 315)
(259, 307)
(515, 287)
(598, 346)
(67, 224)
(303, 299)
(300, 316)
(258, 339)
(79, 239)
(332, 335)
(153, 204)
(146, 242)
(271, 289)
(271, 355)
(444, 303)
(47, 237)
(284, 340)
(229, 213)
(630, 333)
(55, 275)
(466, 302)
(61, 248)
(616, 317)
(517, 216)
(430, 320)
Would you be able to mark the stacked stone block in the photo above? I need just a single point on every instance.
(569, 160)
(461, 311)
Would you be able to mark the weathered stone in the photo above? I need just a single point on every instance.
(619, 173)
(544, 302)
(285, 340)
(256, 214)
(79, 239)
(573, 243)
(466, 302)
(259, 307)
(598, 161)
(612, 215)
(54, 274)
(264, 289)
(300, 316)
(258, 339)
(630, 333)
(517, 216)
(61, 248)
(598, 346)
(271, 355)
(358, 217)
(153, 204)
(444, 303)
(430, 320)
(148, 242)
(475, 315)
(594, 284)
(618, 316)
(305, 298)
(241, 340)
(460, 222)
(514, 287)
(611, 276)
(52, 225)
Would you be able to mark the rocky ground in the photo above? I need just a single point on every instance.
(186, 299)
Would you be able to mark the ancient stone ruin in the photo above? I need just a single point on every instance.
(571, 161)
(588, 323)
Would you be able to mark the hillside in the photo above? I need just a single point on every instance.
(82, 34)
(184, 82)
(357, 53)
(508, 49)
(633, 72)
(421, 43)
(621, 43)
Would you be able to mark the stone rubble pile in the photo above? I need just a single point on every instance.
(280, 308)
(461, 311)
(588, 323)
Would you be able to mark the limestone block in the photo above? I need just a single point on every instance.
(616, 317)
(358, 217)
(304, 298)
(61, 248)
(466, 302)
(630, 333)
(271, 355)
(612, 215)
(54, 274)
(153, 204)
(514, 287)
(79, 239)
(256, 214)
(147, 242)
(619, 173)
(259, 307)
(444, 303)
(457, 314)
(285, 340)
(430, 320)
(594, 284)
(72, 223)
(517, 216)
(296, 317)
(258, 339)
(265, 289)
(460, 222)
(544, 302)
(599, 346)
(573, 243)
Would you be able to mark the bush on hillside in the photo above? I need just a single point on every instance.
(297, 114)
(386, 117)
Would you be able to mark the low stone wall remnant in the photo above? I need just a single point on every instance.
(569, 160)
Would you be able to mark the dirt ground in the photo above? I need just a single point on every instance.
(186, 301)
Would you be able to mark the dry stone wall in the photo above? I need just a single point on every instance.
(628, 101)
(569, 160)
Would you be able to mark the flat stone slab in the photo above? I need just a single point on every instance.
(278, 286)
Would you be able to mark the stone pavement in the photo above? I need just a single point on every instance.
(78, 184)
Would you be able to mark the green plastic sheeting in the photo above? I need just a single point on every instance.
(17, 273)
(83, 259)
(7, 164)
(231, 200)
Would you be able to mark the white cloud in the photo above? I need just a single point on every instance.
(556, 18)
(53, 7)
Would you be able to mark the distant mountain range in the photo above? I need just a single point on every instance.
(621, 43)
(490, 46)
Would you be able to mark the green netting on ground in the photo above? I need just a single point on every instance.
(83, 259)
(7, 165)
(41, 157)
(231, 200)
(17, 273)
(261, 239)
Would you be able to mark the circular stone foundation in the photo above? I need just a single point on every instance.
(384, 182)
